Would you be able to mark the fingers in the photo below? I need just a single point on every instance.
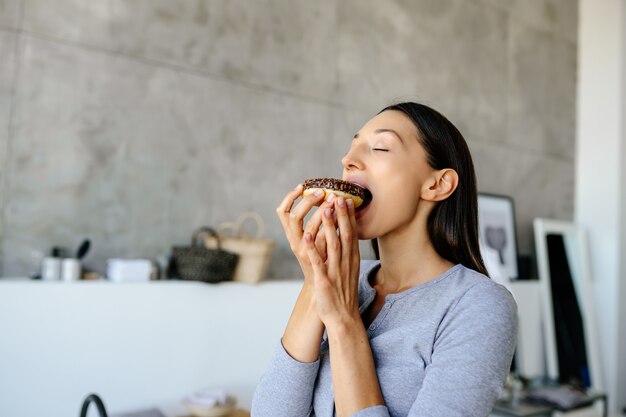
(320, 244)
(314, 223)
(319, 268)
(342, 246)
(284, 207)
(298, 213)
(355, 234)
(292, 219)
(333, 245)
(345, 226)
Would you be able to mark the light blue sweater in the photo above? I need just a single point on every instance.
(442, 348)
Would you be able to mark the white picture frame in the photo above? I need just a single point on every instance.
(497, 231)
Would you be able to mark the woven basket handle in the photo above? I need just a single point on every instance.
(204, 230)
(227, 226)
(260, 231)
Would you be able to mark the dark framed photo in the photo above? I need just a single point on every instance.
(497, 232)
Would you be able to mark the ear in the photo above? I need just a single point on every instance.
(440, 185)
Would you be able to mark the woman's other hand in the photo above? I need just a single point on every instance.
(335, 288)
(336, 272)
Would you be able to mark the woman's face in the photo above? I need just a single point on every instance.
(387, 158)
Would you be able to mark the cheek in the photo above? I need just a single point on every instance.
(401, 190)
(398, 185)
(393, 209)
(401, 207)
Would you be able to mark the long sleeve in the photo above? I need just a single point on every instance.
(286, 388)
(471, 358)
(441, 349)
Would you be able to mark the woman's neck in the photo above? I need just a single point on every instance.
(408, 258)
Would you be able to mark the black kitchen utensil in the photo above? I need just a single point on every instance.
(83, 249)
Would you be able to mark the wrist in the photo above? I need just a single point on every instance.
(303, 334)
(307, 295)
(345, 327)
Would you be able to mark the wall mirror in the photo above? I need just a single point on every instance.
(571, 344)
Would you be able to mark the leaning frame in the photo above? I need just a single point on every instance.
(576, 244)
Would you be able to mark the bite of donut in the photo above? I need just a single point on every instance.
(360, 195)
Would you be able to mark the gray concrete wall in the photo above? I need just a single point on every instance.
(133, 122)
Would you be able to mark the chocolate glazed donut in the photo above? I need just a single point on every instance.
(340, 188)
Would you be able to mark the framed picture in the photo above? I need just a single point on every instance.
(497, 233)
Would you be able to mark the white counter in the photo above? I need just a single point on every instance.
(149, 344)
(137, 345)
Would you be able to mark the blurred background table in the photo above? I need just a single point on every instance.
(238, 413)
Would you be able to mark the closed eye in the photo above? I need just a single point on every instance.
(380, 149)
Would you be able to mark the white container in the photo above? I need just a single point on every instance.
(129, 270)
(70, 269)
(51, 269)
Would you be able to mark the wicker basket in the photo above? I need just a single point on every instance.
(201, 263)
(254, 253)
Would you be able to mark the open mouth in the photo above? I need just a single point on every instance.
(362, 191)
(367, 199)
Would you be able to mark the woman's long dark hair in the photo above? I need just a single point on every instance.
(453, 223)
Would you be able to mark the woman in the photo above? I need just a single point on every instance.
(423, 331)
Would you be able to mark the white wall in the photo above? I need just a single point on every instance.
(600, 176)
(138, 345)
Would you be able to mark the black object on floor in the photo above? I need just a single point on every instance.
(93, 398)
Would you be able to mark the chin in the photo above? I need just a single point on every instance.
(364, 234)
(364, 225)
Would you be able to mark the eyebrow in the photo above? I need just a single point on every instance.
(379, 131)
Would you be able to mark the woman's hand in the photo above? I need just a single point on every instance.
(303, 334)
(336, 272)
(335, 287)
(292, 220)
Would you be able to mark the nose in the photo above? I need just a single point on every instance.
(351, 160)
